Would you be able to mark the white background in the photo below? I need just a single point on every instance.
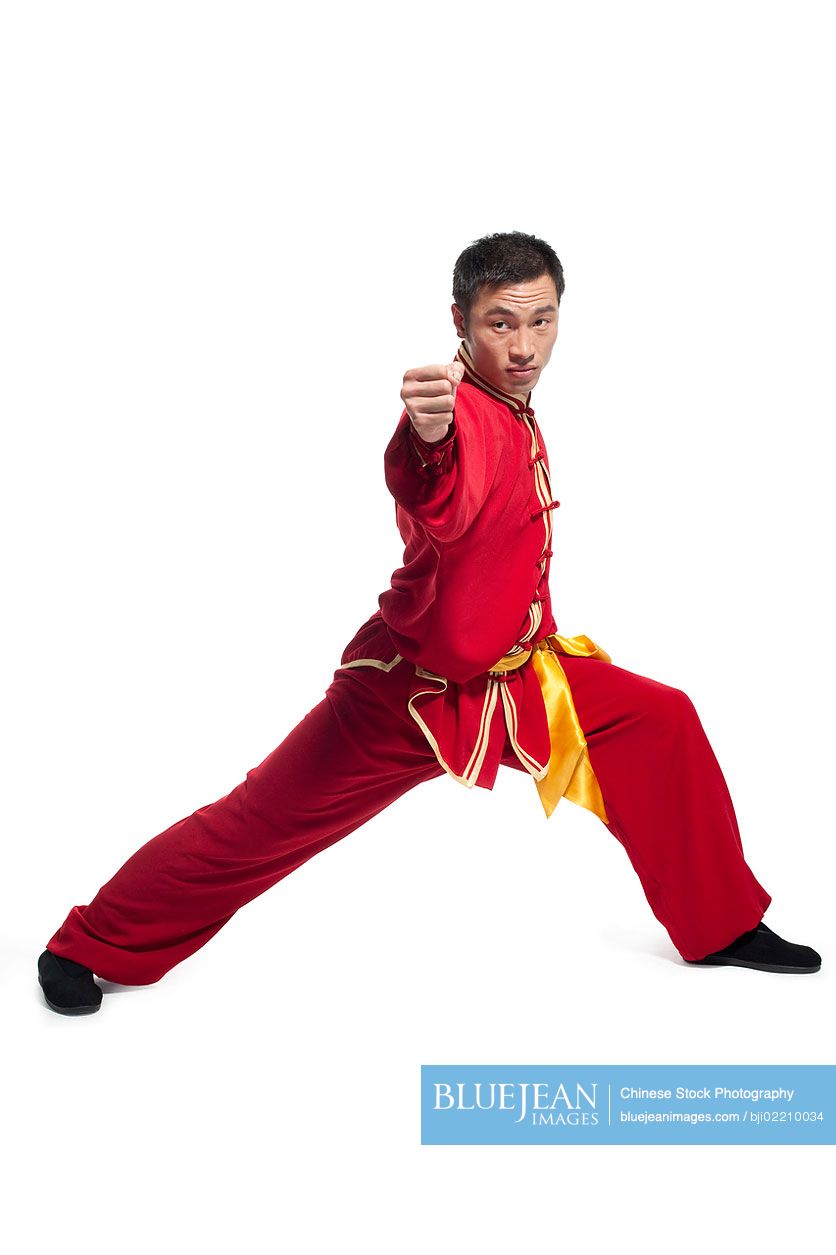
(228, 229)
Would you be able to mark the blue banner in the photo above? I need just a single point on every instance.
(578, 1104)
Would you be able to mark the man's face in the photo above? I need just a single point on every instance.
(511, 332)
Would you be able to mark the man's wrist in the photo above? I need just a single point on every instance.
(434, 454)
(440, 431)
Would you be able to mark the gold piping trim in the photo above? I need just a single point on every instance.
(428, 734)
(483, 739)
(538, 771)
(372, 662)
(481, 382)
(471, 769)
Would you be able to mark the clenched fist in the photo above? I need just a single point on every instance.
(429, 394)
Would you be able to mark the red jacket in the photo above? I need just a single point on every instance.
(476, 514)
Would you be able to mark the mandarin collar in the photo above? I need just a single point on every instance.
(472, 376)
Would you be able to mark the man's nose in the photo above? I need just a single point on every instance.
(522, 351)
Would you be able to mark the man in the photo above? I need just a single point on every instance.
(460, 670)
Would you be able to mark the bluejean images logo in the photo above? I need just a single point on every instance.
(585, 1104)
(541, 1102)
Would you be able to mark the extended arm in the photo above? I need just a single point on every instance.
(442, 485)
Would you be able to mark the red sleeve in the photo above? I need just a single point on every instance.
(434, 455)
(442, 486)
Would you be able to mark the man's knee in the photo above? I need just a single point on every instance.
(671, 705)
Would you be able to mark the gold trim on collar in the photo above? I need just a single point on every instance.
(472, 376)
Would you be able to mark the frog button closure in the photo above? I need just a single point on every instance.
(535, 514)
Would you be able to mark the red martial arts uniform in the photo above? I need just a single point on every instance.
(460, 670)
(476, 519)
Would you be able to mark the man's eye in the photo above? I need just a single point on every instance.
(543, 320)
(500, 324)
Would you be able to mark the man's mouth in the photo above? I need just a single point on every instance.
(521, 370)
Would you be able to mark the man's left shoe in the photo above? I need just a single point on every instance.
(69, 987)
(764, 950)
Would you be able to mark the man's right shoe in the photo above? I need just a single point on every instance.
(69, 987)
(764, 950)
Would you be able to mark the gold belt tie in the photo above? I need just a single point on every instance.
(569, 771)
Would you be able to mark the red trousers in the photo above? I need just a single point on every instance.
(357, 751)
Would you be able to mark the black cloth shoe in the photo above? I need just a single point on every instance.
(763, 949)
(68, 986)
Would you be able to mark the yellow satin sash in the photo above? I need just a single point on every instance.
(569, 772)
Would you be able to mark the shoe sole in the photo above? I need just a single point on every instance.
(83, 1010)
(759, 967)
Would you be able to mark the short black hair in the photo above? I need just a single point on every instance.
(504, 257)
